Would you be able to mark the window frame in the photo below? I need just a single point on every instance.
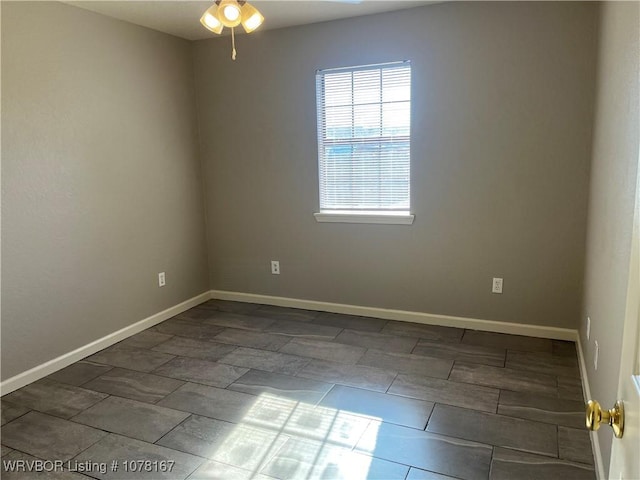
(378, 216)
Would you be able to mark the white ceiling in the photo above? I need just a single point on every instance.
(182, 17)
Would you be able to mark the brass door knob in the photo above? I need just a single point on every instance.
(614, 417)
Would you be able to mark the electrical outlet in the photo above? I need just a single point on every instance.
(588, 327)
(497, 285)
(595, 356)
(162, 281)
(275, 267)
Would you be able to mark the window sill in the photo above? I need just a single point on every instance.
(389, 218)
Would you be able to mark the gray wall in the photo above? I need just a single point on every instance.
(502, 116)
(101, 183)
(611, 201)
(102, 188)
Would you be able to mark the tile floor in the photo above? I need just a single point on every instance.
(236, 391)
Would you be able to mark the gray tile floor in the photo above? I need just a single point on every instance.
(237, 391)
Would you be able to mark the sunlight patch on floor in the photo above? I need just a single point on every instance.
(286, 438)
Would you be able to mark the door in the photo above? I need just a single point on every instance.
(625, 451)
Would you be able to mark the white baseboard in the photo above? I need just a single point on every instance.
(595, 442)
(67, 359)
(47, 368)
(540, 331)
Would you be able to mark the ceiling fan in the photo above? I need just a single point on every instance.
(231, 13)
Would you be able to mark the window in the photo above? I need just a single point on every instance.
(364, 120)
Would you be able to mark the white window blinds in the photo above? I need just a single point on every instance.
(364, 119)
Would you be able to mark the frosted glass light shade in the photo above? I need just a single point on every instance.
(229, 13)
(210, 20)
(251, 18)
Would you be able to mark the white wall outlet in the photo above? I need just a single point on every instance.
(162, 281)
(595, 356)
(275, 267)
(497, 285)
(588, 327)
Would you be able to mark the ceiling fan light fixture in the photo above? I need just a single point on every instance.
(251, 17)
(229, 13)
(210, 20)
